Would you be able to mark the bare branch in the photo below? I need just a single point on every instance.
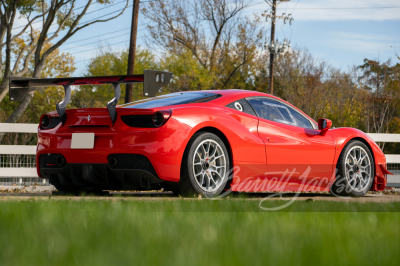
(24, 29)
(73, 30)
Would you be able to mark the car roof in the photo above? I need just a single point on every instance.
(232, 95)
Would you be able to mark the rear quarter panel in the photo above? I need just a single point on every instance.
(239, 128)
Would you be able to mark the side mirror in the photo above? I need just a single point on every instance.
(324, 124)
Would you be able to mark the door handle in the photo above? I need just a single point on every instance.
(271, 139)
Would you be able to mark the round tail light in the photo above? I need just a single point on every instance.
(161, 117)
(158, 119)
(45, 121)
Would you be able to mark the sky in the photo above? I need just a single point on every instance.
(340, 32)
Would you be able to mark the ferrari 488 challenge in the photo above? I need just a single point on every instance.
(198, 142)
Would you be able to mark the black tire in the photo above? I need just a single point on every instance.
(349, 171)
(188, 186)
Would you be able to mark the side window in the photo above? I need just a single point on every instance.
(243, 106)
(300, 119)
(276, 111)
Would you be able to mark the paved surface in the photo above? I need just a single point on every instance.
(44, 192)
(26, 189)
(379, 197)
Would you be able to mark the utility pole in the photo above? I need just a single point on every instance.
(272, 55)
(275, 48)
(132, 49)
(43, 12)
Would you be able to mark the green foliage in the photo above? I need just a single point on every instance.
(108, 63)
(188, 73)
(57, 65)
(25, 6)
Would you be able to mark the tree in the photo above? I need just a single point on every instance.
(108, 63)
(212, 31)
(8, 11)
(45, 99)
(189, 74)
(382, 83)
(60, 12)
(311, 85)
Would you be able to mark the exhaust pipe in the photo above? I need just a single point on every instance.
(112, 161)
(60, 160)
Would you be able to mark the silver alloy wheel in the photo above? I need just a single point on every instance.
(358, 169)
(209, 165)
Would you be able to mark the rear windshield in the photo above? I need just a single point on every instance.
(172, 99)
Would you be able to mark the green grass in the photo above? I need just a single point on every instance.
(197, 232)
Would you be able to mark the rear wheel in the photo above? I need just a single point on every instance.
(204, 166)
(355, 170)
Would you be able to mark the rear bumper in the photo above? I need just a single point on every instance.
(163, 147)
(130, 171)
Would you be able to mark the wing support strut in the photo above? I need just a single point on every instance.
(114, 101)
(67, 98)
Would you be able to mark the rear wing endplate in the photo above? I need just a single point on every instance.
(152, 82)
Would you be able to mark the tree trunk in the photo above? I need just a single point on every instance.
(4, 87)
(18, 112)
(9, 25)
(21, 108)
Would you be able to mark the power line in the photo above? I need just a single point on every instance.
(93, 12)
(108, 45)
(77, 9)
(101, 47)
(190, 11)
(295, 7)
(98, 40)
(381, 7)
(79, 40)
(94, 19)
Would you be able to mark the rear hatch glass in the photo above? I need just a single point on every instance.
(172, 99)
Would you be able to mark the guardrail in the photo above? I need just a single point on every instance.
(30, 172)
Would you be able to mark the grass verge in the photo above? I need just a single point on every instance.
(197, 232)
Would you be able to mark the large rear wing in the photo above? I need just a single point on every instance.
(152, 83)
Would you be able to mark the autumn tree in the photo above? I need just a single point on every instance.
(382, 83)
(214, 32)
(8, 12)
(44, 100)
(109, 63)
(61, 13)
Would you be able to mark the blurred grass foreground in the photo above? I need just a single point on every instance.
(197, 232)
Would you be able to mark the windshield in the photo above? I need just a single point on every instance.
(172, 99)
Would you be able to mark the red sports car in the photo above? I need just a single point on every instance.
(198, 142)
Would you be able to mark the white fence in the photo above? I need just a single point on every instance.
(18, 161)
(21, 173)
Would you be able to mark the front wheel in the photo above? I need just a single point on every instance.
(355, 170)
(204, 166)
